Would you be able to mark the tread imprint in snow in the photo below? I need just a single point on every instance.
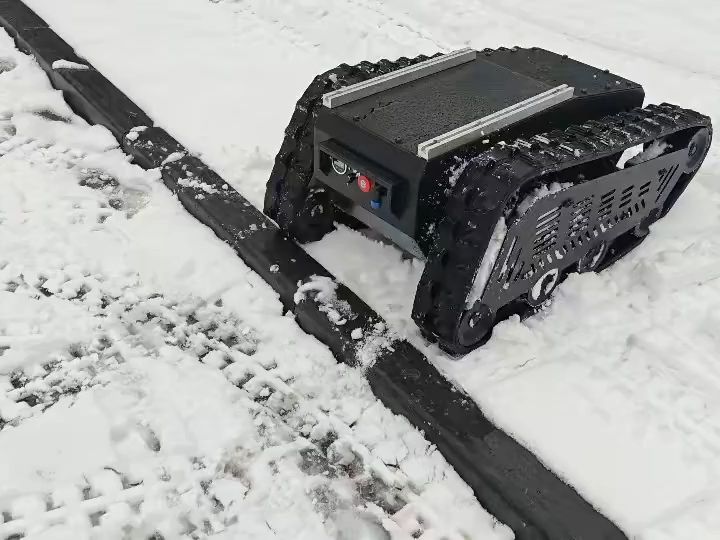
(506, 478)
(133, 322)
(326, 447)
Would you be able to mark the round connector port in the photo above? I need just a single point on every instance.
(339, 166)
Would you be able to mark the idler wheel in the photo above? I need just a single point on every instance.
(696, 149)
(543, 287)
(475, 326)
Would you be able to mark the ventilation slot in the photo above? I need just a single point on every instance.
(544, 243)
(516, 268)
(507, 268)
(644, 189)
(626, 196)
(547, 217)
(606, 204)
(665, 177)
(517, 274)
(580, 216)
(546, 231)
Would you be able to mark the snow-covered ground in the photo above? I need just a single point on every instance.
(150, 386)
(617, 386)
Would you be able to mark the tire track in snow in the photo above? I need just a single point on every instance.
(531, 19)
(491, 15)
(108, 504)
(339, 28)
(325, 445)
(402, 21)
(703, 509)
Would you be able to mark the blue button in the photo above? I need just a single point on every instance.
(375, 204)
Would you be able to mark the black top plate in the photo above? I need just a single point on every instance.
(415, 112)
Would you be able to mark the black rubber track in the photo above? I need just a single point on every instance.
(507, 479)
(471, 212)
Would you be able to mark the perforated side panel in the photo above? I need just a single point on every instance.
(558, 229)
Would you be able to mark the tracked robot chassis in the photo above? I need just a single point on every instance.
(501, 168)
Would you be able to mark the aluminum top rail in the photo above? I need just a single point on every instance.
(376, 85)
(468, 133)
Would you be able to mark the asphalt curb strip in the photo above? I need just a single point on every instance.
(508, 480)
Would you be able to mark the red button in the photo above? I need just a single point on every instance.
(365, 184)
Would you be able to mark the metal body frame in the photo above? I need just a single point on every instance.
(412, 181)
(560, 228)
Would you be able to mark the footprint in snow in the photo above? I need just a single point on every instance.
(7, 64)
(51, 116)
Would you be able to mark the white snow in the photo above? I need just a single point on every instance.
(629, 154)
(651, 152)
(172, 158)
(135, 132)
(540, 192)
(615, 386)
(150, 385)
(197, 184)
(322, 289)
(67, 64)
(488, 263)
